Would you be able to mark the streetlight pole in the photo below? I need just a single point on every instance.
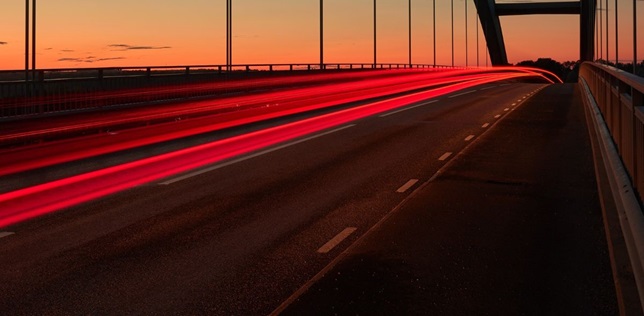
(434, 38)
(409, 20)
(26, 41)
(229, 32)
(477, 40)
(466, 46)
(33, 41)
(321, 34)
(452, 33)
(375, 34)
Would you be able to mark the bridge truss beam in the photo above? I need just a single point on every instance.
(489, 13)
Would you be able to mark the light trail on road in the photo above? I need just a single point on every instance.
(285, 103)
(27, 203)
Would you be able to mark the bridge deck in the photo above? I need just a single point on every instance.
(513, 226)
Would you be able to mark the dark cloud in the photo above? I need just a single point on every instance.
(88, 59)
(122, 47)
(4, 43)
(67, 50)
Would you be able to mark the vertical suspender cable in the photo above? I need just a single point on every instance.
(477, 40)
(634, 36)
(375, 34)
(616, 35)
(607, 32)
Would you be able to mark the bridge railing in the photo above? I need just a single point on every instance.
(68, 89)
(620, 98)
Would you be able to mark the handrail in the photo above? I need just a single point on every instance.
(38, 74)
(620, 97)
(615, 101)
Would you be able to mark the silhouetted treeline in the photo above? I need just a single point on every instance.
(568, 71)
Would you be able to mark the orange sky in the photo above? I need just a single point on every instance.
(97, 33)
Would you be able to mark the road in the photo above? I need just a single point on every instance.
(242, 236)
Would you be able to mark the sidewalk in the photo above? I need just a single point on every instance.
(513, 227)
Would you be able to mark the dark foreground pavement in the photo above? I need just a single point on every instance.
(512, 227)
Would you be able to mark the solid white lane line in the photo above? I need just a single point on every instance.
(5, 234)
(445, 156)
(468, 138)
(408, 108)
(257, 154)
(506, 109)
(337, 239)
(485, 125)
(407, 185)
(497, 116)
(460, 94)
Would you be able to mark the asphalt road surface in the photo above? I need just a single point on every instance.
(243, 238)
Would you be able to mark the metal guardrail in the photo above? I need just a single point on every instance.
(620, 97)
(68, 89)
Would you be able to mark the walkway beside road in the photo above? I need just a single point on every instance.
(512, 226)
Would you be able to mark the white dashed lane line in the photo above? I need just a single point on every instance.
(5, 234)
(497, 116)
(337, 240)
(445, 156)
(485, 125)
(257, 154)
(408, 108)
(468, 138)
(407, 185)
(460, 94)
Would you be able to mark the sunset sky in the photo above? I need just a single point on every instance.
(100, 33)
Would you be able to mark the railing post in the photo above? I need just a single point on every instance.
(188, 71)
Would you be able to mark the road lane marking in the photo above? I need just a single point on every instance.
(487, 88)
(497, 116)
(445, 156)
(513, 104)
(460, 94)
(506, 84)
(407, 185)
(485, 125)
(5, 234)
(408, 108)
(337, 239)
(257, 154)
(468, 138)
(506, 109)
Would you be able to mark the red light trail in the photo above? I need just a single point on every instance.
(49, 197)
